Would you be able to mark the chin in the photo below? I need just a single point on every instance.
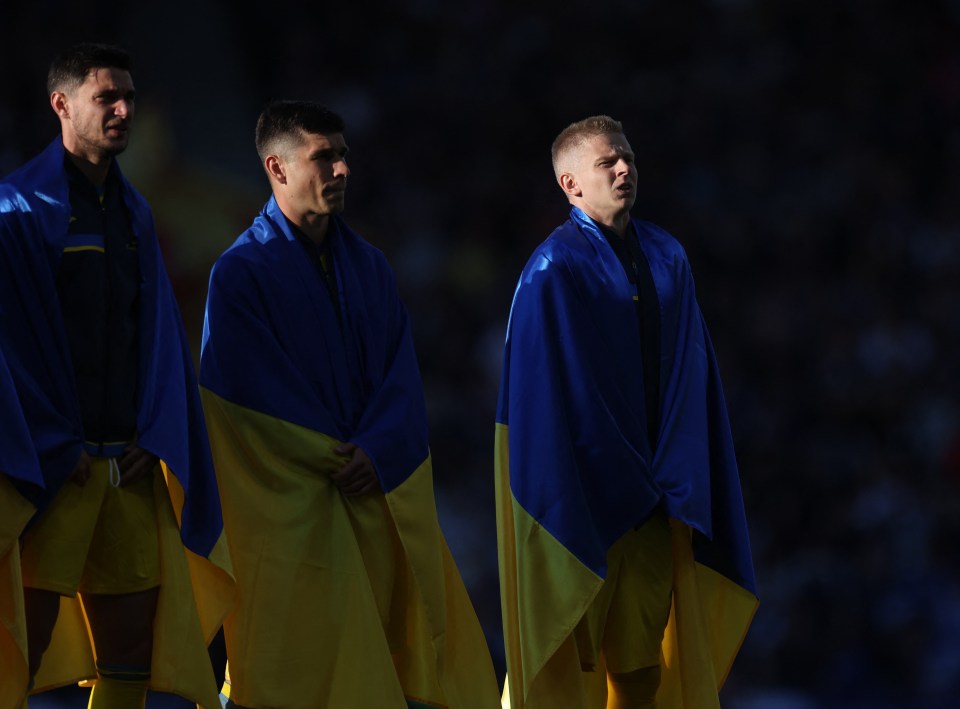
(114, 149)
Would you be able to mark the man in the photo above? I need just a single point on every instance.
(613, 453)
(348, 594)
(103, 374)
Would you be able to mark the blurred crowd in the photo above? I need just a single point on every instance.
(806, 154)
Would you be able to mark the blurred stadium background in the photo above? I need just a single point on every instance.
(805, 153)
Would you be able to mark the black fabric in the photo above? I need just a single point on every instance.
(637, 268)
(99, 293)
(321, 256)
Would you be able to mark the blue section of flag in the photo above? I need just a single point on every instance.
(34, 218)
(572, 394)
(273, 343)
(18, 460)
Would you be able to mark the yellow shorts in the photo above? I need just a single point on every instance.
(627, 618)
(95, 539)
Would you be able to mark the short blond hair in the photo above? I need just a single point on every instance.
(576, 134)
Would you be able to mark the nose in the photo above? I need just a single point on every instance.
(123, 108)
(340, 168)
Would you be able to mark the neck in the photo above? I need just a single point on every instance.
(96, 172)
(314, 226)
(619, 224)
(616, 223)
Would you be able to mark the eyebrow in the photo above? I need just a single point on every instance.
(616, 155)
(328, 153)
(116, 93)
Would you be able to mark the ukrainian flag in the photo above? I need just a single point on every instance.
(575, 470)
(344, 601)
(197, 587)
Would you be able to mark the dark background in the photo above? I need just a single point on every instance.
(805, 153)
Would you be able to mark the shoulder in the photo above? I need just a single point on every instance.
(27, 174)
(32, 186)
(560, 253)
(12, 198)
(247, 256)
(246, 253)
(566, 243)
(34, 198)
(553, 266)
(42, 175)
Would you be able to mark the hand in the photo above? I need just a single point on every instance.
(358, 476)
(135, 464)
(81, 471)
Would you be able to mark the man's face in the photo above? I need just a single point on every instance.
(606, 176)
(316, 173)
(96, 116)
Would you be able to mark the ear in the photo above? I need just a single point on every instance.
(58, 101)
(568, 183)
(275, 169)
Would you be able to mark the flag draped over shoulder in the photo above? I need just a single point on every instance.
(340, 594)
(18, 461)
(34, 214)
(575, 470)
